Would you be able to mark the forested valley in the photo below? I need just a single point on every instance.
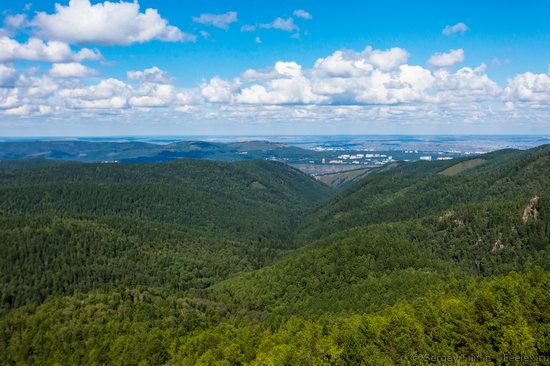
(196, 262)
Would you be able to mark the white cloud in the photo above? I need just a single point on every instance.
(28, 96)
(8, 76)
(349, 63)
(16, 21)
(151, 75)
(217, 90)
(187, 97)
(386, 60)
(371, 77)
(378, 86)
(33, 96)
(106, 23)
(153, 95)
(71, 70)
(286, 25)
(217, 20)
(12, 23)
(27, 110)
(466, 84)
(36, 89)
(37, 50)
(529, 88)
(288, 85)
(258, 40)
(459, 28)
(302, 14)
(447, 59)
(248, 28)
(9, 98)
(108, 94)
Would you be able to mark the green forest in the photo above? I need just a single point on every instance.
(199, 262)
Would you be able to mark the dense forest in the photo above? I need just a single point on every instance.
(196, 262)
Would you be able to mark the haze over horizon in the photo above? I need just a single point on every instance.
(218, 68)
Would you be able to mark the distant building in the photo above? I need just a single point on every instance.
(427, 158)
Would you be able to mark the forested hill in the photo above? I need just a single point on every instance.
(406, 232)
(254, 263)
(179, 225)
(414, 190)
(136, 152)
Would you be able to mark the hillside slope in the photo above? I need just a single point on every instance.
(414, 190)
(179, 225)
(397, 228)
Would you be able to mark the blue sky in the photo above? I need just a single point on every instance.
(489, 73)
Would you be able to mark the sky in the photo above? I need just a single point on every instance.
(213, 67)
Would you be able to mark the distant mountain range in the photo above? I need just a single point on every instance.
(133, 152)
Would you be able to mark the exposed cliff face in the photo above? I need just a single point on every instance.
(530, 210)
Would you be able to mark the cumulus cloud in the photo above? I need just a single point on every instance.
(8, 76)
(71, 70)
(286, 25)
(302, 14)
(37, 50)
(286, 85)
(370, 77)
(28, 96)
(248, 28)
(371, 85)
(386, 60)
(446, 59)
(217, 90)
(107, 23)
(9, 98)
(153, 91)
(28, 110)
(107, 94)
(34, 96)
(152, 95)
(459, 28)
(279, 23)
(529, 88)
(466, 84)
(151, 75)
(12, 23)
(217, 20)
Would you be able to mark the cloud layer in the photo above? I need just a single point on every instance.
(370, 85)
(366, 85)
